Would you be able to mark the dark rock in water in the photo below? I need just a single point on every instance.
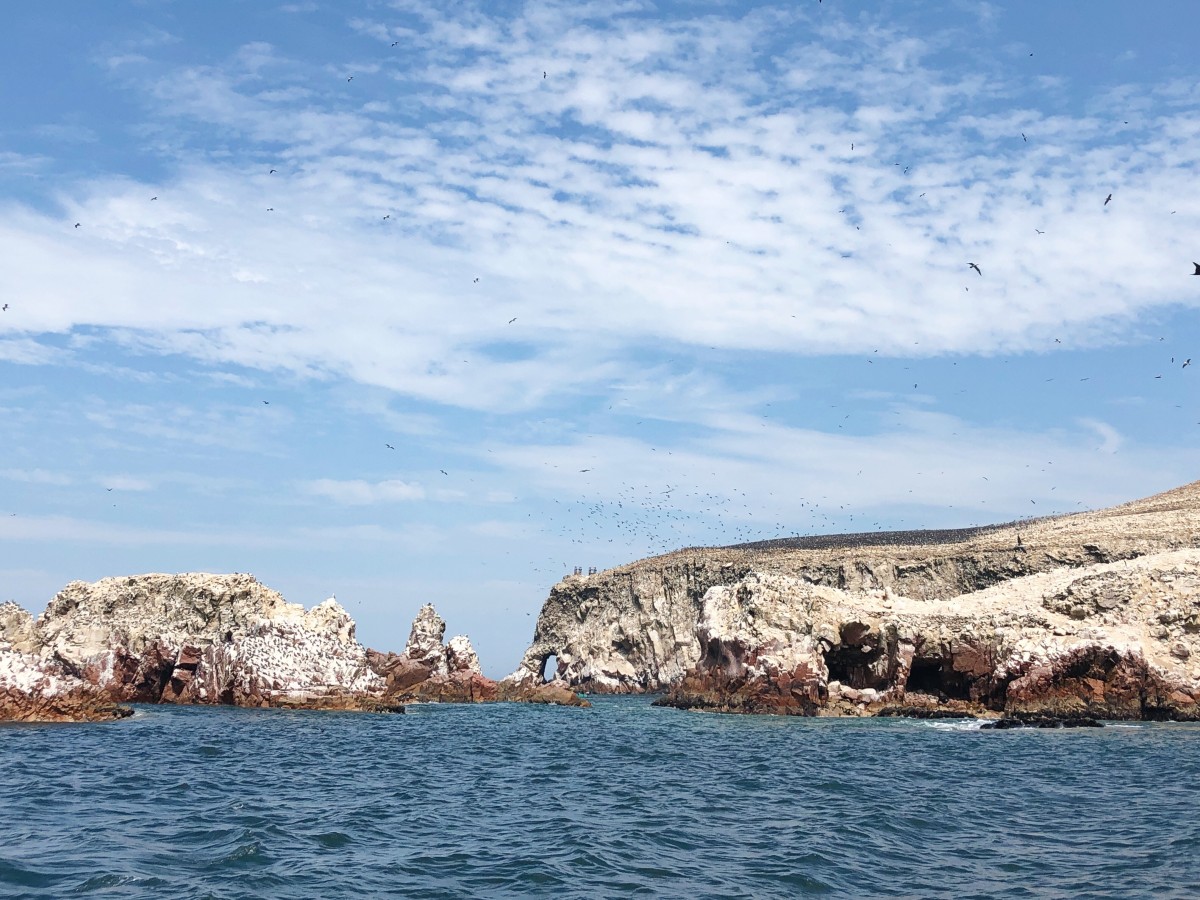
(925, 712)
(1009, 722)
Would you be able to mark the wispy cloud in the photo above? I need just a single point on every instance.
(362, 493)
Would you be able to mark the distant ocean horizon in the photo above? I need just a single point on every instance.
(622, 799)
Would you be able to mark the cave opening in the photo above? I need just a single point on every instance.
(854, 666)
(549, 668)
(936, 676)
(857, 661)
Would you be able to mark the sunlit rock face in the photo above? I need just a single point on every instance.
(776, 644)
(649, 625)
(33, 689)
(223, 639)
(201, 638)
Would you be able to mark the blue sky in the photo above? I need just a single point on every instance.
(609, 279)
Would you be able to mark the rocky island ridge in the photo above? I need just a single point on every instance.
(197, 638)
(1092, 613)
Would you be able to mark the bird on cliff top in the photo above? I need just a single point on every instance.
(976, 268)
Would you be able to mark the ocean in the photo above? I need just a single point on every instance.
(615, 801)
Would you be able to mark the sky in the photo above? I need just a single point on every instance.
(409, 302)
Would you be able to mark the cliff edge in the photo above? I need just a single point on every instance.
(684, 618)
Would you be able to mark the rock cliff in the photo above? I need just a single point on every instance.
(647, 625)
(222, 639)
(1113, 640)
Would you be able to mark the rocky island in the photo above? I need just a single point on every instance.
(223, 639)
(1094, 614)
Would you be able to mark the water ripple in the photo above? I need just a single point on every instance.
(620, 800)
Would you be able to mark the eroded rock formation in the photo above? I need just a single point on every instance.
(222, 639)
(777, 644)
(863, 623)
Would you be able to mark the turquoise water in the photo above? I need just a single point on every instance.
(619, 800)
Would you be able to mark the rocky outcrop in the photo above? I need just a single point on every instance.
(199, 638)
(432, 672)
(37, 690)
(1109, 641)
(224, 639)
(636, 628)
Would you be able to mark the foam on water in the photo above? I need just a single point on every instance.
(622, 799)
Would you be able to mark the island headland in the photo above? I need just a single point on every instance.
(198, 638)
(1093, 614)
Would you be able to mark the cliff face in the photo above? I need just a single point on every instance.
(200, 638)
(223, 639)
(638, 627)
(1114, 640)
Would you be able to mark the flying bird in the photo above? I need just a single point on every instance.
(443, 471)
(351, 78)
(5, 309)
(394, 43)
(389, 446)
(1039, 231)
(1107, 199)
(1186, 362)
(273, 171)
(154, 198)
(510, 321)
(1197, 265)
(1025, 139)
(266, 403)
(976, 268)
(77, 224)
(476, 281)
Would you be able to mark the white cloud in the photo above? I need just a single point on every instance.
(623, 228)
(36, 476)
(362, 493)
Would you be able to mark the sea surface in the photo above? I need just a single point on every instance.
(619, 800)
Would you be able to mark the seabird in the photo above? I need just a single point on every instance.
(351, 78)
(1187, 362)
(389, 446)
(394, 43)
(5, 309)
(1039, 231)
(1106, 199)
(443, 471)
(1197, 265)
(273, 171)
(510, 321)
(77, 224)
(976, 268)
(154, 198)
(266, 403)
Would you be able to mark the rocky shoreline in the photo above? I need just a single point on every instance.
(200, 639)
(1092, 615)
